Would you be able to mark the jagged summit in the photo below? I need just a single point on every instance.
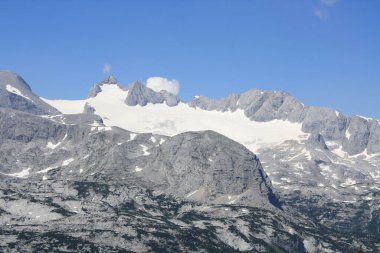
(139, 94)
(96, 88)
(109, 80)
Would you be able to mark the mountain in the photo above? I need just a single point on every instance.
(300, 146)
(157, 162)
(15, 93)
(132, 168)
(88, 187)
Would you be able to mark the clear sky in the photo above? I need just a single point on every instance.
(324, 52)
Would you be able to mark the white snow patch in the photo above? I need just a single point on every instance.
(144, 148)
(138, 169)
(132, 136)
(306, 153)
(80, 170)
(67, 106)
(53, 146)
(367, 118)
(104, 128)
(325, 170)
(67, 162)
(294, 157)
(16, 91)
(365, 154)
(44, 178)
(348, 134)
(22, 174)
(46, 170)
(64, 137)
(286, 179)
(339, 152)
(191, 193)
(153, 139)
(162, 141)
(348, 182)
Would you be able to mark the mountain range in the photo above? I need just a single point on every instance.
(129, 169)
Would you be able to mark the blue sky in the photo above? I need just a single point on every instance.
(324, 52)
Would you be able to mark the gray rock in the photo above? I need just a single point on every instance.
(224, 104)
(22, 98)
(269, 105)
(316, 140)
(139, 94)
(94, 91)
(326, 122)
(109, 80)
(374, 138)
(88, 109)
(207, 166)
(359, 132)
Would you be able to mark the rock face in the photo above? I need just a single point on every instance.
(15, 93)
(139, 94)
(94, 91)
(316, 140)
(333, 126)
(208, 167)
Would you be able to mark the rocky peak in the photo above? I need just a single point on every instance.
(109, 80)
(96, 88)
(12, 78)
(16, 94)
(139, 94)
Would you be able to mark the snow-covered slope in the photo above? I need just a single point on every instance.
(293, 160)
(171, 120)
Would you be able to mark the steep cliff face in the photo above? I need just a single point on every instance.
(208, 167)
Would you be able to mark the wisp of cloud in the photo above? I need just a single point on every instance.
(160, 83)
(107, 68)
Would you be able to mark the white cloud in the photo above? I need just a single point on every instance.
(321, 14)
(322, 11)
(160, 83)
(107, 68)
